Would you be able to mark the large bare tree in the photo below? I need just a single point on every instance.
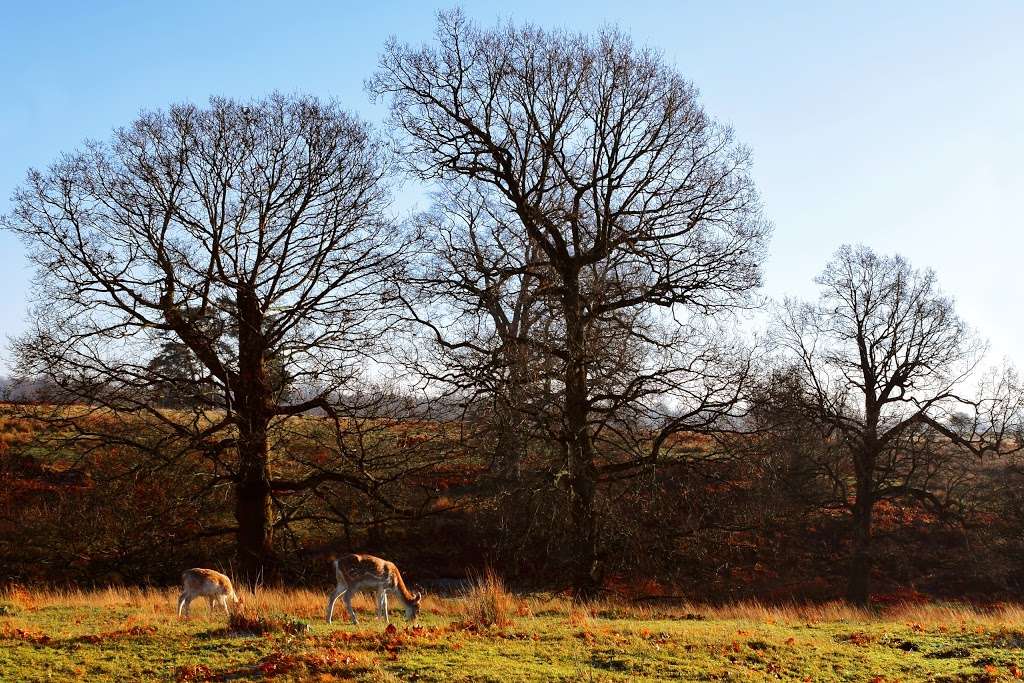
(634, 204)
(237, 258)
(882, 362)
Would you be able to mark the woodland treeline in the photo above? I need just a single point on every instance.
(241, 355)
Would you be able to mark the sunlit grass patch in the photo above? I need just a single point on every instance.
(131, 634)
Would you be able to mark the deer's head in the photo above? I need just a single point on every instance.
(412, 607)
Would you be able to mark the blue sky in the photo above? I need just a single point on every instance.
(898, 125)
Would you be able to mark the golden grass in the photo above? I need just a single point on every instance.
(580, 617)
(116, 634)
(488, 602)
(295, 602)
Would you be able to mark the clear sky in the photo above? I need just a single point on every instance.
(898, 125)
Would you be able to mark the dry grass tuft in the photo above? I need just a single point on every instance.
(580, 617)
(487, 602)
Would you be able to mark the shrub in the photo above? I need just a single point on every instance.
(251, 621)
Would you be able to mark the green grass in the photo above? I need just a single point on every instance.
(120, 635)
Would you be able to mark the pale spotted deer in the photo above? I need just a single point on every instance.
(366, 572)
(207, 583)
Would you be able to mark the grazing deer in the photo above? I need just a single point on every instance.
(207, 583)
(357, 572)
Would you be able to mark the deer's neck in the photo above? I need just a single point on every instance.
(404, 593)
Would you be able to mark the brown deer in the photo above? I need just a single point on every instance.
(207, 583)
(357, 572)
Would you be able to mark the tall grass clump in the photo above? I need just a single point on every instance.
(486, 602)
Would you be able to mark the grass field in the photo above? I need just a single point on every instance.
(129, 634)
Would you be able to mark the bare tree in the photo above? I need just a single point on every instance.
(882, 359)
(480, 307)
(238, 255)
(639, 207)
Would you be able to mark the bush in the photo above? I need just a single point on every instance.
(250, 621)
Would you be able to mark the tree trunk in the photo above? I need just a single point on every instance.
(510, 441)
(509, 448)
(586, 571)
(253, 502)
(253, 508)
(580, 452)
(858, 587)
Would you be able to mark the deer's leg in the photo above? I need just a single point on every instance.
(347, 599)
(209, 603)
(384, 605)
(183, 602)
(338, 590)
(224, 604)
